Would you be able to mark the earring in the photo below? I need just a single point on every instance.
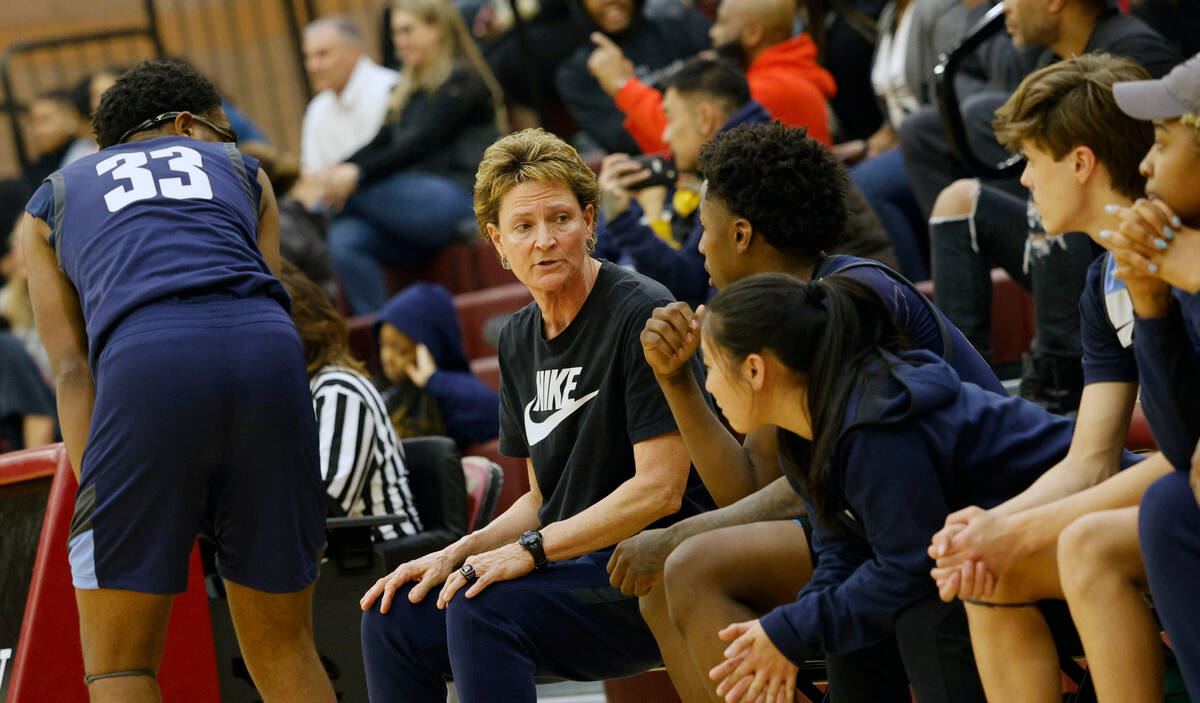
(591, 243)
(504, 263)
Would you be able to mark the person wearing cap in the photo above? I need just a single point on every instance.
(1158, 256)
(1081, 154)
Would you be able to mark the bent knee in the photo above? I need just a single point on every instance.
(1087, 551)
(957, 199)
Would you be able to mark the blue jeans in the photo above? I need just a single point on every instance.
(564, 621)
(884, 180)
(400, 220)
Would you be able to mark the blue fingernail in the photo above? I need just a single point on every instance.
(1176, 221)
(1105, 233)
(1168, 233)
(1111, 209)
(1153, 268)
(1160, 244)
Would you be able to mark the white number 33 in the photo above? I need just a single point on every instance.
(130, 167)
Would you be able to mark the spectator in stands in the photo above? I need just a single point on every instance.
(16, 309)
(1054, 269)
(352, 93)
(55, 126)
(655, 42)
(913, 34)
(767, 209)
(845, 32)
(406, 194)
(605, 460)
(781, 70)
(362, 462)
(1082, 157)
(27, 412)
(826, 363)
(704, 98)
(432, 390)
(1155, 248)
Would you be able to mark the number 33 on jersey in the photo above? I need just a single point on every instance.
(141, 184)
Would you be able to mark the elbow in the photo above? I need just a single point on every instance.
(663, 501)
(70, 372)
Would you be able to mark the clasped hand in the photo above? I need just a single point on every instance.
(671, 337)
(754, 670)
(1153, 248)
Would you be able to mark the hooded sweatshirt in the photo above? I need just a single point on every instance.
(1168, 361)
(424, 312)
(785, 79)
(682, 270)
(916, 444)
(656, 42)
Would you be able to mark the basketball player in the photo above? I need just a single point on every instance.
(182, 394)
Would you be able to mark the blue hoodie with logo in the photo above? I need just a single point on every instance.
(917, 444)
(424, 312)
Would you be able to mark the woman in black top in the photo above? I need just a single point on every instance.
(405, 194)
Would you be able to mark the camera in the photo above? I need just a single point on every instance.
(662, 171)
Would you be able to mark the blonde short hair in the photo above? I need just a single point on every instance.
(528, 156)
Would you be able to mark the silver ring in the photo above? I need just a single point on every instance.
(468, 572)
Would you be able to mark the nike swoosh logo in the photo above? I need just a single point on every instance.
(537, 431)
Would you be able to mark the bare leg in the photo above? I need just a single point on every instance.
(689, 682)
(730, 575)
(1014, 648)
(122, 631)
(1100, 564)
(275, 633)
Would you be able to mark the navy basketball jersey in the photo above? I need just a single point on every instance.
(153, 220)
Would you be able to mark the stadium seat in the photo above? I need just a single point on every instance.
(487, 370)
(516, 475)
(477, 308)
(48, 665)
(1139, 438)
(484, 480)
(1012, 317)
(487, 266)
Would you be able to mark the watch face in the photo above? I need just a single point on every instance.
(530, 539)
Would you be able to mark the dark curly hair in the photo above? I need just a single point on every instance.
(149, 89)
(788, 185)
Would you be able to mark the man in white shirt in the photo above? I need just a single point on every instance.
(352, 93)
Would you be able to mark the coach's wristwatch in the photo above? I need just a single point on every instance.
(532, 542)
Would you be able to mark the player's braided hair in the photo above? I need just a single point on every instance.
(147, 90)
(789, 186)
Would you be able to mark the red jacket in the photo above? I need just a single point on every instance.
(786, 79)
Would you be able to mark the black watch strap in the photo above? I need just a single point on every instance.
(532, 542)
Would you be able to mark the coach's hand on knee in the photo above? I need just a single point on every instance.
(636, 565)
(670, 338)
(501, 564)
(428, 571)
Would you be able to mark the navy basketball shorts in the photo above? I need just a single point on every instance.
(203, 422)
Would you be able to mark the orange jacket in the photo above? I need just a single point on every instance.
(786, 79)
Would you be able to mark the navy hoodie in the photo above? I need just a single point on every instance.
(424, 312)
(917, 444)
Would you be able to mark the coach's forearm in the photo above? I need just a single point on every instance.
(520, 517)
(775, 501)
(629, 509)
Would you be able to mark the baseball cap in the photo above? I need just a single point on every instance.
(1171, 96)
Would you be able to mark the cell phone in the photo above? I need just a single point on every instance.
(662, 171)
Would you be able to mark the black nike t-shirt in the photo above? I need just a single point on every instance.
(577, 404)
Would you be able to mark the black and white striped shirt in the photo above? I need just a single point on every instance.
(362, 461)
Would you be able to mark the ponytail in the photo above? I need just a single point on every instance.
(829, 330)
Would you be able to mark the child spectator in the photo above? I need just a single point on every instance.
(362, 462)
(407, 193)
(432, 391)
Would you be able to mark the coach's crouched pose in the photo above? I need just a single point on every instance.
(529, 594)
